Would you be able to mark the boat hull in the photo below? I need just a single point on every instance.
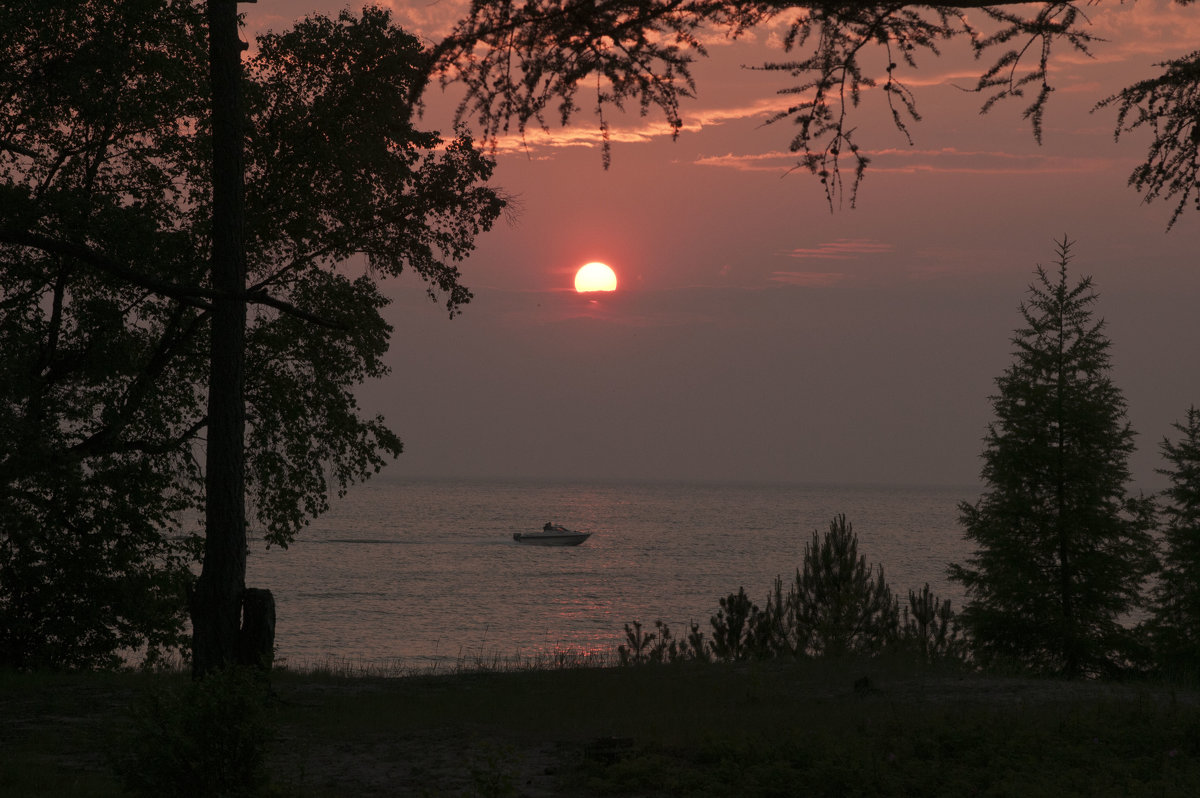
(551, 538)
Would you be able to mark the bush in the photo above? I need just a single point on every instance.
(209, 738)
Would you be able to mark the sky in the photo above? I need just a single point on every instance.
(758, 335)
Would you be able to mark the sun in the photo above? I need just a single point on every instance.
(595, 276)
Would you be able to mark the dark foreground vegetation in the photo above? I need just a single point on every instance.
(828, 727)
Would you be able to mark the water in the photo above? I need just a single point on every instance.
(420, 573)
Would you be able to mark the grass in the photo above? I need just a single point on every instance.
(765, 729)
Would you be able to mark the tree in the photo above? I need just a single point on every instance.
(521, 63)
(737, 628)
(1175, 627)
(1062, 548)
(105, 229)
(841, 604)
(929, 628)
(216, 601)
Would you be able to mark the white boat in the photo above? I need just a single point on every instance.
(552, 535)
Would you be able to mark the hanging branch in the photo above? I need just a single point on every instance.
(516, 60)
(1169, 105)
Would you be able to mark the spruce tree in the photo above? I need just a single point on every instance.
(1062, 548)
(1175, 627)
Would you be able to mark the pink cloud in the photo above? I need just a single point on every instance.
(586, 133)
(808, 279)
(947, 160)
(842, 249)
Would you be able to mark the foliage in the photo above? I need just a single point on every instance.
(85, 571)
(493, 772)
(638, 646)
(840, 608)
(1169, 106)
(106, 310)
(517, 61)
(1062, 548)
(643, 648)
(895, 745)
(1175, 628)
(207, 738)
(929, 628)
(737, 628)
(94, 370)
(837, 605)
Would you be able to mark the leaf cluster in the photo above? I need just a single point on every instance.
(86, 574)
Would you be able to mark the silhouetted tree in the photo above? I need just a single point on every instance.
(107, 307)
(841, 604)
(1175, 627)
(929, 628)
(737, 628)
(1062, 548)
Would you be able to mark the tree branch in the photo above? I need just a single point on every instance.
(192, 295)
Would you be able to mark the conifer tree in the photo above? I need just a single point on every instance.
(1063, 549)
(1175, 628)
(840, 604)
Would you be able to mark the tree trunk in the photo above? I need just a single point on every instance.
(256, 643)
(216, 602)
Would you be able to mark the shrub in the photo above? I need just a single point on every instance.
(208, 738)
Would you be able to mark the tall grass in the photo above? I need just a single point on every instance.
(493, 662)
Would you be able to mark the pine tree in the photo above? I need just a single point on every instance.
(1175, 627)
(1063, 549)
(840, 604)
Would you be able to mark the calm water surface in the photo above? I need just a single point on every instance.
(419, 573)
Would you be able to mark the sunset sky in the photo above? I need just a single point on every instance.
(755, 334)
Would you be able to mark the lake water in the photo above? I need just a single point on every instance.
(423, 573)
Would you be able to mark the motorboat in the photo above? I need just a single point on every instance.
(552, 535)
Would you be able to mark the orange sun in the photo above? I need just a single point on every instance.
(595, 276)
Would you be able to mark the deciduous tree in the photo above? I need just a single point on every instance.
(107, 306)
(1063, 548)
